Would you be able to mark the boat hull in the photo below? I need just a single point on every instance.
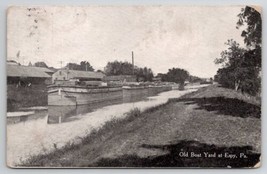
(68, 96)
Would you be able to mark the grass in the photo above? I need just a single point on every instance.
(208, 120)
(36, 95)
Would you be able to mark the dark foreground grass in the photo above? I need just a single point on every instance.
(212, 120)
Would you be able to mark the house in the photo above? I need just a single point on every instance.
(67, 75)
(24, 75)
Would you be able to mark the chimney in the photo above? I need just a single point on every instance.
(133, 61)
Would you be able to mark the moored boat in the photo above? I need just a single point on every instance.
(81, 95)
(68, 95)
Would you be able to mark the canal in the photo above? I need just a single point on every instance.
(45, 130)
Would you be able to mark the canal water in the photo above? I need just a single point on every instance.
(52, 128)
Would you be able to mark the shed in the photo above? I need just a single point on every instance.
(27, 74)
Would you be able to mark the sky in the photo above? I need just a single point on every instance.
(161, 37)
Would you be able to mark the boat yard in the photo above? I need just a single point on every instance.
(49, 135)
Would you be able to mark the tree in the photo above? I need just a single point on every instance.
(149, 75)
(253, 32)
(119, 68)
(239, 69)
(232, 60)
(144, 73)
(73, 66)
(126, 68)
(83, 66)
(225, 77)
(40, 64)
(100, 71)
(177, 75)
(241, 66)
(194, 79)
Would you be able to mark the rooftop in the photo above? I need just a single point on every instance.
(27, 71)
(84, 74)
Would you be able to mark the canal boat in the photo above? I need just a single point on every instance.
(156, 88)
(67, 95)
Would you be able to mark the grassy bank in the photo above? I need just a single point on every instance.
(213, 120)
(18, 97)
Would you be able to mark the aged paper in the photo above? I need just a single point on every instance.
(134, 86)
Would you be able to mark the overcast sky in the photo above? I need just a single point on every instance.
(161, 37)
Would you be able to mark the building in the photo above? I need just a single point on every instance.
(46, 70)
(66, 75)
(206, 81)
(12, 62)
(156, 79)
(25, 75)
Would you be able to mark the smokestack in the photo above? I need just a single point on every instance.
(133, 61)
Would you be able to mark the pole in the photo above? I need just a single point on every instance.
(133, 61)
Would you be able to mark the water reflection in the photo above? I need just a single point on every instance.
(61, 114)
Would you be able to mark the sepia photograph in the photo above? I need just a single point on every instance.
(134, 86)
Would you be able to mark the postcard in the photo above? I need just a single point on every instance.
(153, 86)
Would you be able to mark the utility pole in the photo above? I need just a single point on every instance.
(133, 61)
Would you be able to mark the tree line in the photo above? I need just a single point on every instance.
(241, 67)
(126, 68)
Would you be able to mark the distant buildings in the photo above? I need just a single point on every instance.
(67, 75)
(206, 81)
(156, 79)
(27, 75)
(120, 78)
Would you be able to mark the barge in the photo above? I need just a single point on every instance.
(66, 95)
(81, 95)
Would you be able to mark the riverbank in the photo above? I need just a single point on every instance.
(213, 120)
(20, 97)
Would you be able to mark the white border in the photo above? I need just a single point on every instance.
(3, 6)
